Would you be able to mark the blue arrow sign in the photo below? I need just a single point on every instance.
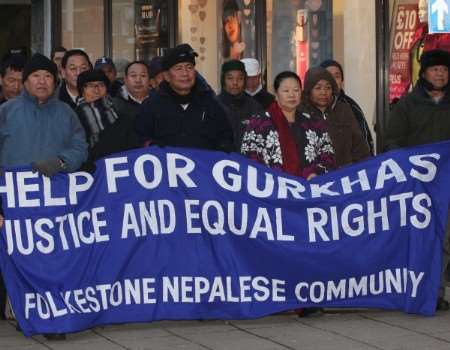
(439, 16)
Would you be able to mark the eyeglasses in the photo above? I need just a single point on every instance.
(95, 85)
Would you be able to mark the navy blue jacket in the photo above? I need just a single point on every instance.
(203, 124)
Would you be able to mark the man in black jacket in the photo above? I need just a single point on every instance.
(237, 103)
(74, 62)
(421, 117)
(183, 113)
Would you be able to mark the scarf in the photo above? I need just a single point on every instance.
(95, 117)
(289, 152)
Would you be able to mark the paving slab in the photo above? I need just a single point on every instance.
(334, 330)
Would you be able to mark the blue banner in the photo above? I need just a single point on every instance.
(172, 233)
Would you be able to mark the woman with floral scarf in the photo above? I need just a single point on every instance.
(287, 139)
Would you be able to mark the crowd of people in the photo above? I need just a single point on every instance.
(61, 114)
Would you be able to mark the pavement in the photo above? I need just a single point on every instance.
(333, 329)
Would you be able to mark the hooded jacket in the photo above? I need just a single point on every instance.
(417, 119)
(344, 131)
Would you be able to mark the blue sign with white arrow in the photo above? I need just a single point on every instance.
(438, 16)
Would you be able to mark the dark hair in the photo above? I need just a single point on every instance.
(75, 52)
(57, 49)
(15, 62)
(285, 75)
(230, 8)
(332, 63)
(137, 62)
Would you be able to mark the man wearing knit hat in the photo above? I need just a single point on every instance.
(254, 85)
(423, 116)
(183, 113)
(39, 130)
(237, 103)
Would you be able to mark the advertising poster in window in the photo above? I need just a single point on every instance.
(151, 28)
(403, 28)
(300, 35)
(238, 29)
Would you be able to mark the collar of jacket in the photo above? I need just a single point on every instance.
(125, 95)
(33, 99)
(420, 92)
(234, 99)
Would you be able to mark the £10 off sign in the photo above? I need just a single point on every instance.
(405, 27)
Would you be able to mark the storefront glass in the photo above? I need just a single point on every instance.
(83, 26)
(299, 35)
(408, 40)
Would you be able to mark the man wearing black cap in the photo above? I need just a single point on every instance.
(237, 103)
(423, 116)
(47, 133)
(183, 113)
(156, 72)
(107, 65)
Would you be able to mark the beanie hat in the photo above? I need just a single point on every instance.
(178, 54)
(40, 62)
(155, 66)
(91, 75)
(230, 66)
(332, 63)
(434, 58)
(316, 74)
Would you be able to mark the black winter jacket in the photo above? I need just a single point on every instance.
(203, 124)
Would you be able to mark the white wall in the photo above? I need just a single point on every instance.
(360, 55)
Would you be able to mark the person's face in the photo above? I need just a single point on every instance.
(109, 71)
(423, 11)
(94, 90)
(11, 83)
(252, 83)
(75, 65)
(336, 73)
(288, 94)
(57, 58)
(181, 77)
(40, 84)
(137, 80)
(234, 82)
(232, 29)
(154, 82)
(437, 76)
(322, 94)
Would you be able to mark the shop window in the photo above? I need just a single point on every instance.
(198, 25)
(83, 26)
(140, 30)
(299, 35)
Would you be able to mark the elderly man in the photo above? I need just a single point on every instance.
(253, 85)
(39, 130)
(11, 76)
(423, 116)
(183, 113)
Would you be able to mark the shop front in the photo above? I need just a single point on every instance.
(282, 34)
